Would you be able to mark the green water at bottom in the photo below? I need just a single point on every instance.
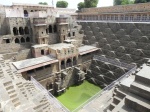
(76, 95)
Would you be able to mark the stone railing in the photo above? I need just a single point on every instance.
(98, 20)
(114, 62)
(109, 87)
(49, 96)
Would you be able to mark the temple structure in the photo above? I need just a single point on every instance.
(45, 50)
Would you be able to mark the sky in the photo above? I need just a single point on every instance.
(72, 3)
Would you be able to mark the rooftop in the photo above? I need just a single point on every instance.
(128, 81)
(144, 72)
(26, 4)
(40, 45)
(26, 64)
(60, 46)
(87, 49)
(70, 40)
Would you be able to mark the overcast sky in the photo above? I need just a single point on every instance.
(72, 3)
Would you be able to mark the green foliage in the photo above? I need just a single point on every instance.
(117, 2)
(141, 1)
(90, 3)
(123, 2)
(62, 4)
(43, 3)
(77, 95)
(81, 5)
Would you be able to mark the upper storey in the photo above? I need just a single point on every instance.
(143, 7)
(33, 10)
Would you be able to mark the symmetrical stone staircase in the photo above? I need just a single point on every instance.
(19, 95)
(104, 73)
(129, 42)
(133, 95)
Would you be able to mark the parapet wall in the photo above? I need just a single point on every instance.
(129, 42)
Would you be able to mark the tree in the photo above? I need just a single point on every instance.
(123, 2)
(117, 2)
(141, 1)
(62, 4)
(43, 3)
(90, 3)
(81, 5)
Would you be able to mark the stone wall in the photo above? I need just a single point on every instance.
(21, 55)
(129, 42)
(12, 47)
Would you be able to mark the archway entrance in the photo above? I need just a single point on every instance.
(69, 35)
(62, 64)
(21, 31)
(22, 40)
(15, 31)
(27, 39)
(42, 52)
(17, 40)
(26, 30)
(7, 40)
(68, 63)
(25, 13)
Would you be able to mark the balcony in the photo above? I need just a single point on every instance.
(39, 21)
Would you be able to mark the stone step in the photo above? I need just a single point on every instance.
(137, 103)
(140, 89)
(7, 83)
(116, 100)
(11, 91)
(13, 95)
(119, 93)
(16, 99)
(10, 87)
(19, 83)
(17, 104)
(111, 106)
(142, 79)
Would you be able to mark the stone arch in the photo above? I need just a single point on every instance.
(15, 31)
(17, 40)
(25, 13)
(22, 40)
(7, 40)
(27, 39)
(62, 64)
(21, 31)
(55, 28)
(68, 62)
(50, 29)
(26, 30)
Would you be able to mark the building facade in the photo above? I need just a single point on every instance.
(133, 12)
